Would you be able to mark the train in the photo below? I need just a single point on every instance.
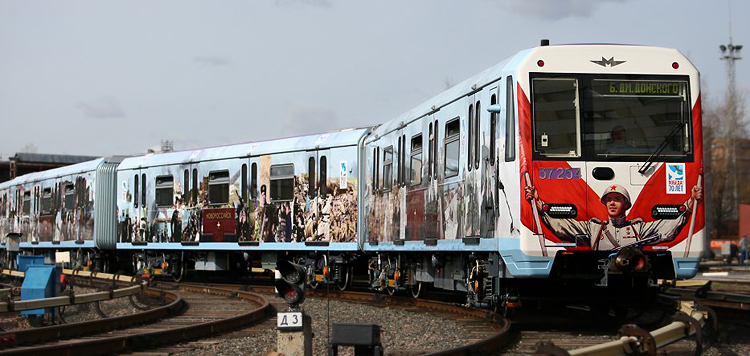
(575, 166)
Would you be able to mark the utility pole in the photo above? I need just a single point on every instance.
(731, 53)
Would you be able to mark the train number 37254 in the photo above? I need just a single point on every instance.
(559, 173)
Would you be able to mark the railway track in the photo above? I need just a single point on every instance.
(189, 313)
(195, 317)
(486, 332)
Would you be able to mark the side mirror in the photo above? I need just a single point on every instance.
(494, 108)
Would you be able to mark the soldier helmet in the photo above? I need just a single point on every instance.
(616, 188)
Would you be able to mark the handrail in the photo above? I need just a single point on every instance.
(74, 299)
(663, 336)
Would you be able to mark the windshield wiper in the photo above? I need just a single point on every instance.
(659, 149)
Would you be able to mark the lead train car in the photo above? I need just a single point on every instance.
(519, 173)
(507, 178)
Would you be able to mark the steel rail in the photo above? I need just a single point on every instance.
(55, 332)
(490, 344)
(116, 344)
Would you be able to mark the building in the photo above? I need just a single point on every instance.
(22, 163)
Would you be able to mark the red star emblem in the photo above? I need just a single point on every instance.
(613, 188)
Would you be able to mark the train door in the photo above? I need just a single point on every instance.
(399, 225)
(560, 175)
(490, 170)
(325, 209)
(247, 220)
(471, 182)
(431, 207)
(218, 213)
(47, 212)
(138, 215)
(415, 189)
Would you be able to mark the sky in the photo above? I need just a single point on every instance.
(103, 77)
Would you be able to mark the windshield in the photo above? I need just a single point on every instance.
(622, 118)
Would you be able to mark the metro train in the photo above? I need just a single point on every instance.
(562, 166)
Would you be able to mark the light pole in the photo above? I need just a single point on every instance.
(731, 53)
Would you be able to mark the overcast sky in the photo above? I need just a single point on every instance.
(116, 77)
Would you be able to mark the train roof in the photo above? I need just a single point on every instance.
(472, 84)
(54, 173)
(346, 137)
(82, 167)
(576, 58)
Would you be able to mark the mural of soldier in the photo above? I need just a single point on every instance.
(617, 231)
(176, 226)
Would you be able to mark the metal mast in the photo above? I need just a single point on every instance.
(731, 53)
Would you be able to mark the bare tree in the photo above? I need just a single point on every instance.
(29, 148)
(724, 133)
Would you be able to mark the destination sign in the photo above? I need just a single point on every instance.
(638, 87)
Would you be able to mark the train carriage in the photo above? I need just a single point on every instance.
(517, 173)
(52, 209)
(563, 166)
(220, 208)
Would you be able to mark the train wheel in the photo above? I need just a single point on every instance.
(343, 283)
(504, 307)
(507, 312)
(416, 290)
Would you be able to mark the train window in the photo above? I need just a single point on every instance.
(493, 127)
(376, 169)
(416, 160)
(470, 147)
(282, 183)
(27, 203)
(430, 153)
(143, 190)
(510, 121)
(254, 181)
(244, 182)
(36, 200)
(185, 187)
(194, 191)
(398, 166)
(218, 188)
(47, 201)
(311, 191)
(435, 152)
(452, 153)
(323, 176)
(164, 191)
(388, 168)
(403, 161)
(557, 130)
(477, 134)
(136, 186)
(70, 196)
(636, 117)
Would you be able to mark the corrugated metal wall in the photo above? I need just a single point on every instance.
(105, 207)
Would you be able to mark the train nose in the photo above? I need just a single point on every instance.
(630, 259)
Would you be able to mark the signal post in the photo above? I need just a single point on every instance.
(294, 327)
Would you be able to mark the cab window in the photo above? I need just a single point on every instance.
(556, 117)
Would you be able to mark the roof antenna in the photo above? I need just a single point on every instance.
(545, 42)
